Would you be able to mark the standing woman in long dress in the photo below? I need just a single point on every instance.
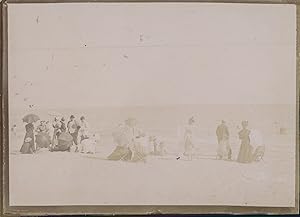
(188, 139)
(84, 129)
(245, 153)
(28, 143)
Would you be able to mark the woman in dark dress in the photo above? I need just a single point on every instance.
(245, 153)
(28, 144)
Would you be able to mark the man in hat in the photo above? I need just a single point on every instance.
(73, 129)
(224, 149)
(63, 127)
(57, 130)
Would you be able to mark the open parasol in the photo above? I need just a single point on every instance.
(30, 118)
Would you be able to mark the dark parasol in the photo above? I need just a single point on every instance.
(30, 118)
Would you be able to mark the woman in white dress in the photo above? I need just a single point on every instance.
(188, 139)
(84, 129)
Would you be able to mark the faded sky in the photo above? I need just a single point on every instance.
(107, 54)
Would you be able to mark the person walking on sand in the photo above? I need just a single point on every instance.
(188, 139)
(245, 153)
(224, 150)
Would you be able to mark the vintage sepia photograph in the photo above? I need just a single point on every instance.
(162, 103)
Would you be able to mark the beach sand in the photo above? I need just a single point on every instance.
(66, 178)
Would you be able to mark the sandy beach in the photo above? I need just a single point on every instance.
(66, 178)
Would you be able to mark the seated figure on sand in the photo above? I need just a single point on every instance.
(64, 142)
(256, 141)
(88, 145)
(128, 139)
(158, 147)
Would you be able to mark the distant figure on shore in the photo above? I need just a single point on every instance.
(188, 139)
(84, 129)
(224, 150)
(28, 146)
(14, 130)
(245, 153)
(73, 129)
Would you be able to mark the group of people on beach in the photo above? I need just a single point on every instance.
(130, 140)
(250, 149)
(64, 135)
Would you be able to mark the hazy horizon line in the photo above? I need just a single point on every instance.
(153, 106)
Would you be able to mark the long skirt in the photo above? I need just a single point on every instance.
(27, 148)
(62, 146)
(245, 154)
(188, 147)
(43, 140)
(120, 153)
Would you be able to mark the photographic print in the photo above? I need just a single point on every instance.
(152, 104)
